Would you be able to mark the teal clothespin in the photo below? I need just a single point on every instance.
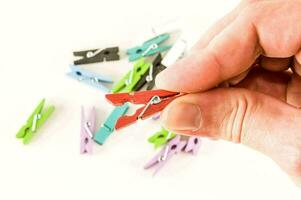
(149, 48)
(108, 127)
(34, 122)
(129, 81)
(162, 137)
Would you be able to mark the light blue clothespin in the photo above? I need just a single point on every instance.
(89, 78)
(108, 127)
(149, 48)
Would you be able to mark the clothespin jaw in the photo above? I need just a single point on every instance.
(150, 76)
(149, 48)
(160, 138)
(89, 78)
(34, 122)
(154, 101)
(108, 127)
(88, 126)
(128, 82)
(193, 145)
(173, 147)
(96, 55)
(176, 52)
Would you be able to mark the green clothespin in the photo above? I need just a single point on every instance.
(128, 82)
(162, 137)
(34, 122)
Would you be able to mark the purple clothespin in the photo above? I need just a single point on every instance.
(87, 131)
(172, 148)
(193, 145)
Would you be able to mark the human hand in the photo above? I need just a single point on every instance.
(261, 109)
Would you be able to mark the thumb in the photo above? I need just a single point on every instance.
(242, 116)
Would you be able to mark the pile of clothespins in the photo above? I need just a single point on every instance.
(142, 75)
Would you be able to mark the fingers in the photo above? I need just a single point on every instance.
(233, 50)
(219, 26)
(238, 115)
(219, 61)
(227, 56)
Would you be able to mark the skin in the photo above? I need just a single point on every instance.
(232, 98)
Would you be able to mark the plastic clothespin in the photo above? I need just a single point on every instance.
(154, 101)
(108, 127)
(150, 47)
(96, 55)
(89, 78)
(176, 52)
(193, 145)
(88, 126)
(129, 81)
(167, 152)
(162, 137)
(34, 122)
(150, 76)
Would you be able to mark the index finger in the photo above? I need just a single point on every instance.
(263, 28)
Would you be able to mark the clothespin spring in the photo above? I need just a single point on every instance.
(169, 135)
(149, 78)
(92, 79)
(154, 100)
(164, 156)
(91, 54)
(129, 81)
(151, 47)
(35, 120)
(87, 128)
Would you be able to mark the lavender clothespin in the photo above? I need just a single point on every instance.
(193, 145)
(172, 148)
(87, 130)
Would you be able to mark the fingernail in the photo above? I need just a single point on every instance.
(182, 117)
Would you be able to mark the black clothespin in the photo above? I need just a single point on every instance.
(150, 76)
(96, 55)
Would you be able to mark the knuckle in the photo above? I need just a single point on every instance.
(237, 122)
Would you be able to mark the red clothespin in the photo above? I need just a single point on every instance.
(154, 101)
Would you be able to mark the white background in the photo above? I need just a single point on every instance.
(36, 43)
